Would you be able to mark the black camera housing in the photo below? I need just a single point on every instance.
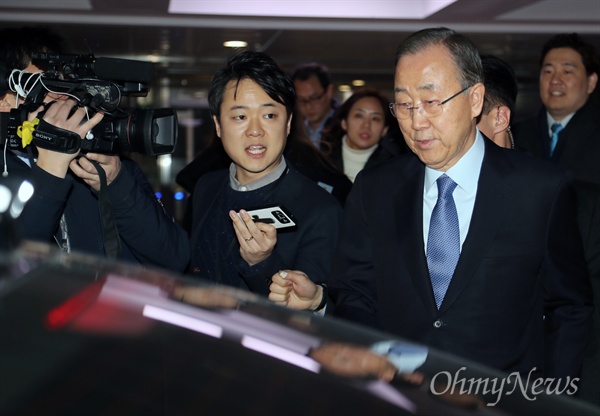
(99, 84)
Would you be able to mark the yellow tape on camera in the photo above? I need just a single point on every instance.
(25, 131)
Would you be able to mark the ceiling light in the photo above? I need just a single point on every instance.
(373, 9)
(344, 88)
(358, 83)
(37, 4)
(235, 44)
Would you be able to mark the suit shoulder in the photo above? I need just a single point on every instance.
(526, 122)
(522, 163)
(404, 164)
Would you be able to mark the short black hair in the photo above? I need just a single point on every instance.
(500, 84)
(17, 45)
(258, 67)
(305, 71)
(589, 55)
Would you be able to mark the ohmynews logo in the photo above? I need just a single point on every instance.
(530, 388)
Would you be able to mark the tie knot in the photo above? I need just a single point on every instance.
(556, 127)
(445, 186)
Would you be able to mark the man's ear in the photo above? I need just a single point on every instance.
(289, 124)
(217, 126)
(502, 121)
(592, 82)
(477, 95)
(330, 91)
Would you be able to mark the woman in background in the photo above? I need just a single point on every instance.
(359, 133)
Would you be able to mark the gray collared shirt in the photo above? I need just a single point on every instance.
(260, 182)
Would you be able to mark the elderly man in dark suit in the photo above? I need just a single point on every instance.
(463, 246)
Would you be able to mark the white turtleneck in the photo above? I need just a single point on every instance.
(355, 160)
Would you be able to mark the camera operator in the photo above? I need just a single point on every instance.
(65, 206)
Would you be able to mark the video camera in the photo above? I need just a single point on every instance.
(98, 84)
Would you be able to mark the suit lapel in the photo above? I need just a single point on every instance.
(575, 137)
(488, 214)
(409, 221)
(542, 148)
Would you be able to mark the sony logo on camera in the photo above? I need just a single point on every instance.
(39, 135)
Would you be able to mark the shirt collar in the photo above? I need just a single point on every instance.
(563, 122)
(322, 125)
(466, 171)
(258, 183)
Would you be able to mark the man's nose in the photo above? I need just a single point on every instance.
(418, 120)
(254, 128)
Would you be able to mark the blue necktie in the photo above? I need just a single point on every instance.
(443, 243)
(556, 128)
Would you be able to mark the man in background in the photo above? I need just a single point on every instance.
(566, 131)
(499, 102)
(314, 98)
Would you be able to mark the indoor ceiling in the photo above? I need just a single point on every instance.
(189, 47)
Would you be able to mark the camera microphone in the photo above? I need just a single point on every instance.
(114, 69)
(99, 84)
(123, 70)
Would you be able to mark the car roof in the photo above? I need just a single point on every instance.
(83, 336)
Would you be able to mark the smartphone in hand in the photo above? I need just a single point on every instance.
(276, 215)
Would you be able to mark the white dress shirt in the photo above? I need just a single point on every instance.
(466, 175)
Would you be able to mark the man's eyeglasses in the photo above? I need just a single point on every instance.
(311, 100)
(428, 109)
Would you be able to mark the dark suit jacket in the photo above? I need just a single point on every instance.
(589, 222)
(578, 148)
(308, 248)
(577, 153)
(522, 260)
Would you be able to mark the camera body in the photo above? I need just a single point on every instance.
(98, 84)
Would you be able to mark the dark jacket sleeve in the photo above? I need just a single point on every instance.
(41, 216)
(151, 234)
(351, 284)
(567, 290)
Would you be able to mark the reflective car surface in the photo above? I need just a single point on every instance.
(84, 336)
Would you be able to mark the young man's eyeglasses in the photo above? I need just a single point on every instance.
(428, 109)
(311, 100)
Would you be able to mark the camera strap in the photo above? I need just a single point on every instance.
(110, 234)
(54, 138)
